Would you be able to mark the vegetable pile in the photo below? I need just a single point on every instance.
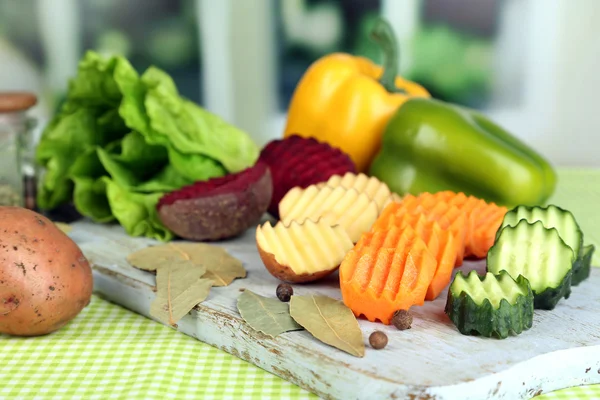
(121, 141)
(373, 179)
(406, 254)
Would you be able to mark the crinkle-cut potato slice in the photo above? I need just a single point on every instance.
(370, 185)
(302, 252)
(354, 211)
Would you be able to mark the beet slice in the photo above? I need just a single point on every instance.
(298, 161)
(219, 208)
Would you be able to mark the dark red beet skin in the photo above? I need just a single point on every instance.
(219, 208)
(297, 161)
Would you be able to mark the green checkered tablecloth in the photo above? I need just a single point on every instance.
(108, 352)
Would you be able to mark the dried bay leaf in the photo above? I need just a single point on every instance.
(153, 257)
(330, 321)
(267, 315)
(221, 267)
(225, 271)
(180, 287)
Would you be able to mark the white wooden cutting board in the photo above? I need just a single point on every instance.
(432, 360)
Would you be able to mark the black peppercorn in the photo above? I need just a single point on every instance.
(402, 319)
(284, 292)
(378, 340)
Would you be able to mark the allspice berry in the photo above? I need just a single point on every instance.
(378, 340)
(284, 292)
(402, 319)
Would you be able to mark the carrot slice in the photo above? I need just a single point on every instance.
(484, 220)
(440, 242)
(448, 217)
(456, 212)
(387, 270)
(446, 257)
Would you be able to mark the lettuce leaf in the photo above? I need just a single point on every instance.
(90, 199)
(195, 167)
(94, 85)
(70, 133)
(192, 129)
(97, 170)
(136, 212)
(165, 179)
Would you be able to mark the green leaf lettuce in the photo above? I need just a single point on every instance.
(121, 141)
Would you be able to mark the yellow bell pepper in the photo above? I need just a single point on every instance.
(347, 101)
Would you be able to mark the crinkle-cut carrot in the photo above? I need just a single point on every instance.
(448, 217)
(482, 219)
(485, 217)
(485, 231)
(440, 242)
(446, 258)
(388, 270)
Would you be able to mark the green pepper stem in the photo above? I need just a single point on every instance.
(383, 34)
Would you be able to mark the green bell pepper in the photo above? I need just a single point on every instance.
(430, 146)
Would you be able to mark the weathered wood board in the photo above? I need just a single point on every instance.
(430, 361)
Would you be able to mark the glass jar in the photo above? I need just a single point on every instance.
(17, 167)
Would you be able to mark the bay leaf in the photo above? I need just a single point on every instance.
(221, 267)
(330, 321)
(267, 315)
(225, 270)
(180, 287)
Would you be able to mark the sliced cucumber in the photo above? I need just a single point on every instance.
(540, 255)
(490, 305)
(582, 271)
(553, 216)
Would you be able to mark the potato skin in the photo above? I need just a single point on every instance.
(221, 216)
(285, 273)
(45, 280)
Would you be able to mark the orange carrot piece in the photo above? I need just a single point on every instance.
(446, 257)
(448, 217)
(484, 220)
(386, 271)
(440, 242)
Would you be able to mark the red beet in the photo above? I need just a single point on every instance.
(220, 207)
(298, 161)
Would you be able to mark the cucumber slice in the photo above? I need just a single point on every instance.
(552, 216)
(582, 272)
(490, 305)
(540, 255)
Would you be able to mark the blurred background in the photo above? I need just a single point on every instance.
(531, 65)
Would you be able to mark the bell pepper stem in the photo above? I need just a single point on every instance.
(383, 34)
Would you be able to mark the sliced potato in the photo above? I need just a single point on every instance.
(302, 252)
(354, 211)
(370, 185)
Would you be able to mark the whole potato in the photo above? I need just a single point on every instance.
(45, 280)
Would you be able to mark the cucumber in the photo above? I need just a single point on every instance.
(582, 272)
(562, 220)
(490, 305)
(540, 255)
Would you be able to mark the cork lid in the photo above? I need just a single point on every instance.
(16, 101)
